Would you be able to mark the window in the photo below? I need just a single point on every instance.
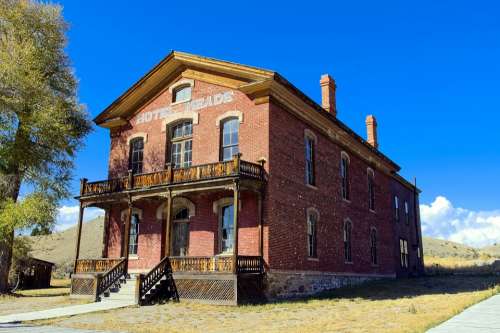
(403, 249)
(181, 94)
(181, 144)
(180, 242)
(373, 246)
(312, 220)
(136, 155)
(396, 208)
(347, 241)
(309, 142)
(371, 189)
(344, 174)
(227, 229)
(229, 138)
(407, 213)
(134, 235)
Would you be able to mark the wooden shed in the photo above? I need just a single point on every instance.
(34, 273)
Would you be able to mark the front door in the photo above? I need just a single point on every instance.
(181, 237)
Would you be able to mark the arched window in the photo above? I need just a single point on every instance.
(180, 243)
(347, 241)
(136, 155)
(396, 207)
(344, 175)
(229, 138)
(134, 235)
(181, 144)
(310, 155)
(373, 246)
(407, 213)
(371, 189)
(312, 220)
(181, 94)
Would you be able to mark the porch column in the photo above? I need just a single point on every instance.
(105, 233)
(78, 234)
(260, 206)
(126, 234)
(168, 223)
(236, 198)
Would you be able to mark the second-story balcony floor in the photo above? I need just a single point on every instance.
(202, 176)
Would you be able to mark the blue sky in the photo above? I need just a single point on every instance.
(428, 70)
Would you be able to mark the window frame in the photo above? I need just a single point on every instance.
(404, 255)
(133, 151)
(374, 246)
(310, 159)
(407, 212)
(312, 233)
(371, 189)
(180, 88)
(222, 147)
(134, 235)
(345, 188)
(397, 214)
(347, 238)
(221, 224)
(181, 140)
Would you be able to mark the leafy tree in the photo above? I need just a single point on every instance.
(42, 124)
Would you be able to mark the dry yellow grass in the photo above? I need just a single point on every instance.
(386, 306)
(457, 265)
(38, 299)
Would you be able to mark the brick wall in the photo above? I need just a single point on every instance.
(289, 199)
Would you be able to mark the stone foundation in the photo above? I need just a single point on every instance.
(287, 284)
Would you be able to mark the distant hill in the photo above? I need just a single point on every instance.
(493, 250)
(59, 247)
(434, 247)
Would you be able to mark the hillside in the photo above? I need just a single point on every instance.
(59, 247)
(493, 250)
(434, 247)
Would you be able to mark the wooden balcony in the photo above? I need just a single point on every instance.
(95, 265)
(217, 264)
(235, 168)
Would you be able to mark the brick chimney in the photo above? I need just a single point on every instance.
(327, 84)
(371, 131)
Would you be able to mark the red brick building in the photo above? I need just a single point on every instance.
(318, 206)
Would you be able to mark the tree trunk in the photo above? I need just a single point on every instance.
(9, 187)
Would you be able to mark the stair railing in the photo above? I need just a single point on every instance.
(106, 280)
(145, 282)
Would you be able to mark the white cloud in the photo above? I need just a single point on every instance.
(67, 216)
(476, 228)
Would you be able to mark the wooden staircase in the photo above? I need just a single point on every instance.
(157, 286)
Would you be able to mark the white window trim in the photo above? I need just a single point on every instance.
(175, 117)
(309, 211)
(142, 135)
(217, 204)
(178, 203)
(229, 114)
(182, 82)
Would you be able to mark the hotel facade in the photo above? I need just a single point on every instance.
(229, 183)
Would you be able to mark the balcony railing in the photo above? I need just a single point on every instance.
(217, 264)
(232, 168)
(95, 265)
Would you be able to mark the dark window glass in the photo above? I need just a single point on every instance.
(396, 207)
(227, 229)
(136, 155)
(309, 161)
(371, 190)
(181, 144)
(183, 214)
(311, 234)
(407, 213)
(344, 174)
(182, 94)
(347, 241)
(229, 139)
(373, 246)
(134, 235)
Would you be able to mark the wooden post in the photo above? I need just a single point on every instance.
(127, 233)
(261, 222)
(78, 235)
(138, 282)
(168, 221)
(105, 232)
(130, 184)
(236, 198)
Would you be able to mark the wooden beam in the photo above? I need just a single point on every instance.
(126, 234)
(168, 226)
(236, 198)
(78, 234)
(105, 232)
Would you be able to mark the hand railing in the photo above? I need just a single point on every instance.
(95, 265)
(145, 282)
(250, 264)
(232, 168)
(106, 280)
